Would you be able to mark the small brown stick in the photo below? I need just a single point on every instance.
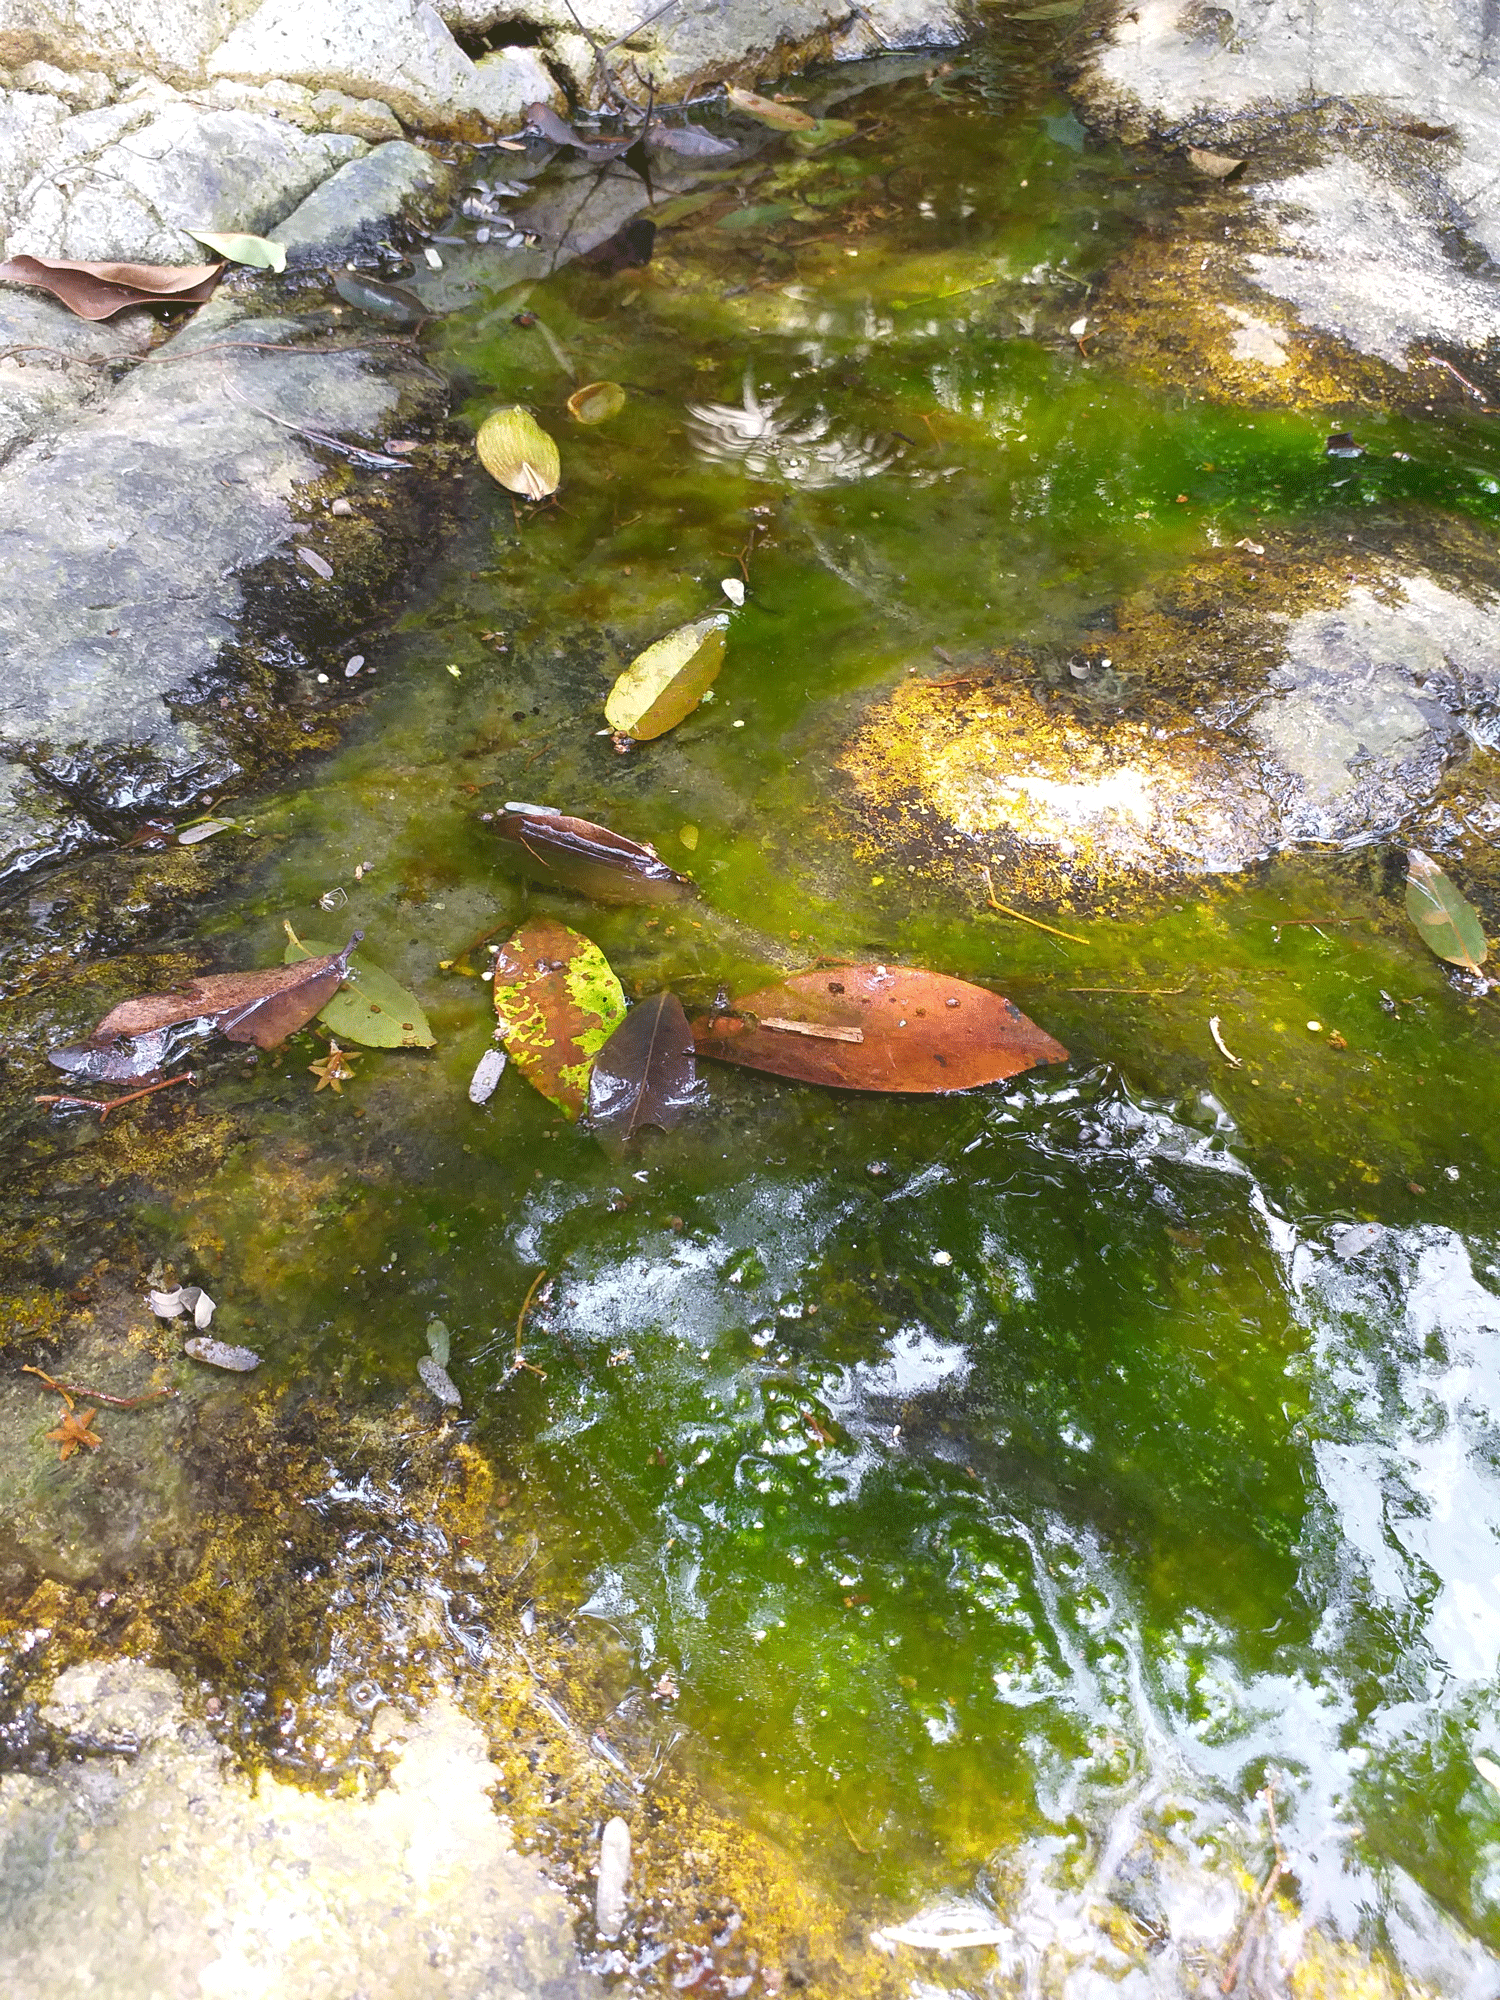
(1278, 1869)
(104, 1105)
(448, 964)
(823, 1034)
(519, 1362)
(1146, 992)
(1035, 922)
(850, 1831)
(68, 1390)
(1437, 361)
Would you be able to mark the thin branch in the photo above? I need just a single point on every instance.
(519, 1361)
(104, 1105)
(1021, 918)
(1146, 992)
(1278, 1869)
(376, 461)
(69, 1390)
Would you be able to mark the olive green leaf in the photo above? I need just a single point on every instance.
(1447, 921)
(668, 680)
(596, 402)
(372, 1009)
(514, 449)
(256, 251)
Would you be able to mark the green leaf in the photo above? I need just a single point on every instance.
(514, 449)
(257, 251)
(826, 132)
(668, 680)
(596, 402)
(1053, 10)
(1447, 921)
(372, 1009)
(557, 1002)
(759, 216)
(439, 1342)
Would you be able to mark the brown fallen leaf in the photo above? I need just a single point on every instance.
(99, 291)
(264, 1007)
(550, 846)
(917, 1032)
(1218, 166)
(557, 1002)
(645, 1073)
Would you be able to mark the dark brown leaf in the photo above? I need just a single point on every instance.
(627, 250)
(645, 1074)
(575, 854)
(542, 118)
(877, 1027)
(263, 1007)
(99, 291)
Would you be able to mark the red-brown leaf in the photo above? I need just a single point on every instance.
(877, 1027)
(98, 291)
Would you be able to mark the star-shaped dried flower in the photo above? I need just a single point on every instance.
(72, 1432)
(334, 1068)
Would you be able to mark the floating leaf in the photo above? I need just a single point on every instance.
(596, 402)
(514, 449)
(204, 829)
(645, 1074)
(1448, 922)
(782, 117)
(558, 1003)
(439, 1342)
(263, 1007)
(256, 251)
(1342, 444)
(877, 1027)
(551, 847)
(99, 291)
(668, 680)
(1218, 166)
(392, 302)
(372, 1009)
(595, 146)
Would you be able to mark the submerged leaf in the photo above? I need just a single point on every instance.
(645, 1074)
(877, 1027)
(439, 1382)
(263, 1007)
(551, 847)
(439, 1342)
(823, 132)
(372, 1009)
(558, 1003)
(596, 402)
(629, 249)
(99, 291)
(392, 302)
(514, 449)
(690, 142)
(1449, 924)
(781, 117)
(668, 680)
(218, 1354)
(1218, 166)
(256, 251)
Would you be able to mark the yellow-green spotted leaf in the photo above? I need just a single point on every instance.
(557, 1003)
(257, 251)
(1447, 921)
(514, 449)
(668, 680)
(371, 1008)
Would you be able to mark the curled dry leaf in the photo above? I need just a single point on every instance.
(646, 1073)
(594, 147)
(596, 402)
(575, 854)
(99, 291)
(557, 1002)
(263, 1007)
(184, 1299)
(1446, 920)
(372, 1008)
(257, 251)
(766, 111)
(514, 449)
(668, 680)
(877, 1027)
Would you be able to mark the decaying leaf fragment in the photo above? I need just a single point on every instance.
(183, 1299)
(557, 1002)
(645, 1074)
(219, 1354)
(1446, 920)
(514, 449)
(1218, 166)
(259, 252)
(99, 291)
(371, 1008)
(392, 302)
(262, 1007)
(878, 1027)
(766, 111)
(668, 680)
(596, 402)
(549, 846)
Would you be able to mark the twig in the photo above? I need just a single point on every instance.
(520, 1323)
(1213, 1028)
(448, 964)
(1146, 992)
(1021, 918)
(1278, 1868)
(104, 1105)
(1437, 361)
(620, 40)
(1285, 923)
(377, 461)
(850, 1831)
(69, 1390)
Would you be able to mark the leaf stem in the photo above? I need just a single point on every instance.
(519, 1361)
(1020, 916)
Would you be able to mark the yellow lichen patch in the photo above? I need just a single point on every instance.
(1327, 1968)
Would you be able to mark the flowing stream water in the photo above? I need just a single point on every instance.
(988, 1498)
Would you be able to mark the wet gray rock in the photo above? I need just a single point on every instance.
(356, 209)
(1399, 102)
(52, 364)
(166, 38)
(126, 541)
(146, 1865)
(126, 182)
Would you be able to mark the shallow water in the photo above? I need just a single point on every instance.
(1012, 1485)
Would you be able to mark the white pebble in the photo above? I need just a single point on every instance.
(352, 667)
(487, 1073)
(610, 1903)
(1315, 1027)
(733, 589)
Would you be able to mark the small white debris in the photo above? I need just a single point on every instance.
(1315, 1027)
(1079, 327)
(239, 1360)
(1351, 1238)
(457, 672)
(184, 1299)
(957, 1926)
(437, 1379)
(1232, 1060)
(1488, 1769)
(434, 261)
(352, 667)
(333, 899)
(487, 1073)
(733, 589)
(942, 1256)
(204, 830)
(614, 1878)
(342, 507)
(316, 563)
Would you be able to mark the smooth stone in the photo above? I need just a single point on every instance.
(611, 1897)
(354, 211)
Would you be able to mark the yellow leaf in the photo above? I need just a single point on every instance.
(668, 680)
(596, 402)
(514, 449)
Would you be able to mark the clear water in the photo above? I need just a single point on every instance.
(1013, 1485)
